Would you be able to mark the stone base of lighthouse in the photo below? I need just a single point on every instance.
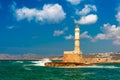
(71, 56)
(70, 59)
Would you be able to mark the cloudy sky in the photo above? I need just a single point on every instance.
(46, 27)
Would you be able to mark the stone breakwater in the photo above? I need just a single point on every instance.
(64, 64)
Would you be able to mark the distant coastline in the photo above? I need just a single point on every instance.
(112, 55)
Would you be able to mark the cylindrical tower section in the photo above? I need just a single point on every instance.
(77, 39)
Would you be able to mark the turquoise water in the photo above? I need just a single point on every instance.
(30, 70)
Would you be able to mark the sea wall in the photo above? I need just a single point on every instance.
(72, 58)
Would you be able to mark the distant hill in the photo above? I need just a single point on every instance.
(30, 56)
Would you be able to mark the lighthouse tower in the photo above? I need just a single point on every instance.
(74, 56)
(77, 40)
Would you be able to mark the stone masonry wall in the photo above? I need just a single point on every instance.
(76, 58)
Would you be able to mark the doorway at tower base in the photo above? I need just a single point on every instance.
(71, 56)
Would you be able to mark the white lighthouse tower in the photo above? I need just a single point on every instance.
(74, 56)
(77, 40)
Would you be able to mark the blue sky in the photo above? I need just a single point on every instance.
(46, 27)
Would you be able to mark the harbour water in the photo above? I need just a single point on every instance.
(34, 70)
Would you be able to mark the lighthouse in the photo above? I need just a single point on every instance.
(75, 55)
(77, 40)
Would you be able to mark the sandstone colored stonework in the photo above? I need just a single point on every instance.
(77, 58)
(65, 64)
(76, 55)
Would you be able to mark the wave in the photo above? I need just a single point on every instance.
(41, 62)
(99, 66)
(94, 66)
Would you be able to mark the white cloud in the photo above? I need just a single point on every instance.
(118, 16)
(85, 35)
(60, 32)
(87, 9)
(51, 13)
(69, 37)
(89, 19)
(74, 2)
(100, 36)
(110, 32)
(85, 15)
(26, 13)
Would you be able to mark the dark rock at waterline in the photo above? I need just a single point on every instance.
(65, 64)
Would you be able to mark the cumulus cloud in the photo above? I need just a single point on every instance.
(118, 16)
(86, 17)
(87, 9)
(69, 37)
(100, 36)
(85, 35)
(110, 32)
(51, 13)
(89, 19)
(74, 2)
(60, 32)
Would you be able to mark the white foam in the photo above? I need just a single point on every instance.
(94, 66)
(99, 66)
(41, 62)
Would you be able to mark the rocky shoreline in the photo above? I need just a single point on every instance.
(64, 64)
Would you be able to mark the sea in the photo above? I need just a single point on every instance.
(35, 70)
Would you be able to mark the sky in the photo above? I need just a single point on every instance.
(46, 27)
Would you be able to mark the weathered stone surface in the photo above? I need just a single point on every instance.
(72, 58)
(65, 64)
(76, 54)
